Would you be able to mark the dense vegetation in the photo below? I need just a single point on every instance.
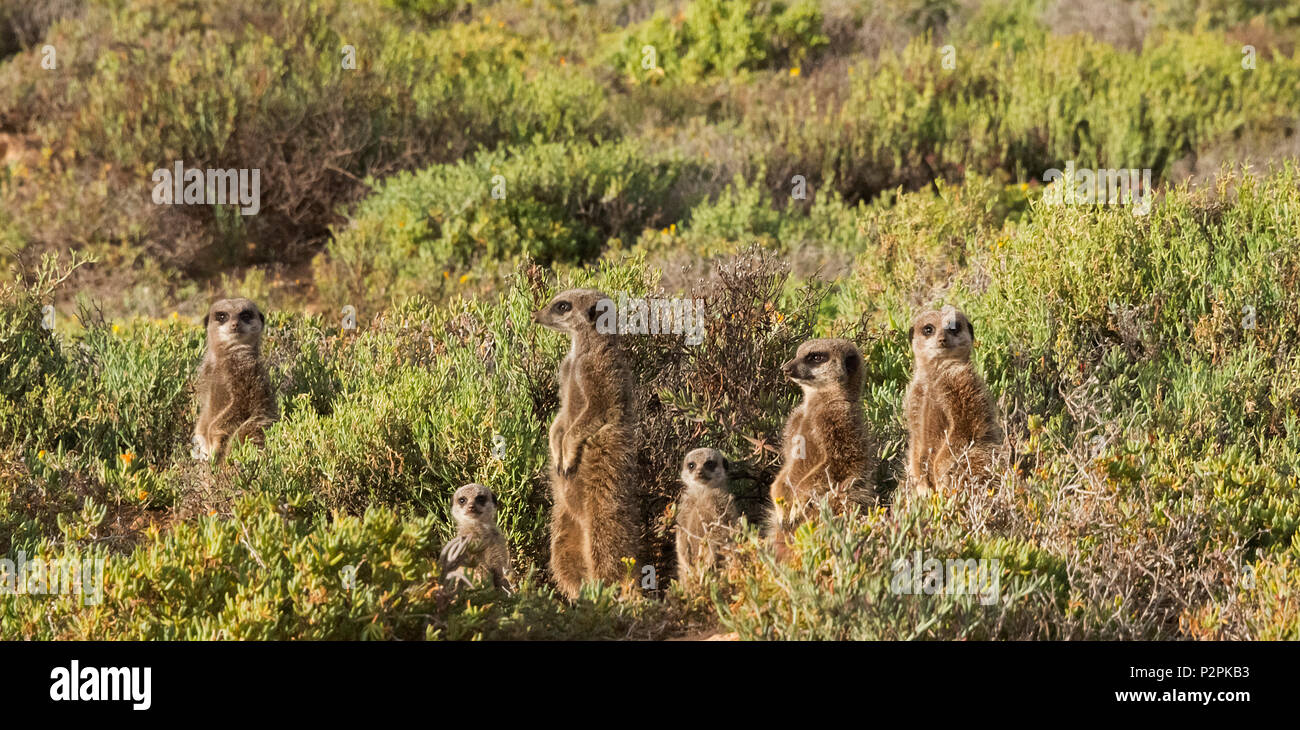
(807, 168)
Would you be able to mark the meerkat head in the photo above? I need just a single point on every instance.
(833, 364)
(705, 468)
(574, 311)
(474, 503)
(234, 322)
(944, 334)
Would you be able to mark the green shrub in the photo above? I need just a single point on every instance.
(240, 87)
(435, 231)
(718, 38)
(906, 120)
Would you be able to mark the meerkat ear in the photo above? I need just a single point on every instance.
(205, 321)
(726, 465)
(970, 327)
(492, 496)
(591, 314)
(261, 316)
(909, 333)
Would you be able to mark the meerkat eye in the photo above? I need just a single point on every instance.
(222, 317)
(563, 307)
(816, 357)
(927, 330)
(461, 500)
(246, 315)
(690, 465)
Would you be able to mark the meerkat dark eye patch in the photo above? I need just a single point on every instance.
(246, 315)
(563, 307)
(710, 464)
(481, 499)
(222, 317)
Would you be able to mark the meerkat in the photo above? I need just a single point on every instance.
(706, 513)
(825, 448)
(952, 425)
(233, 388)
(593, 443)
(479, 543)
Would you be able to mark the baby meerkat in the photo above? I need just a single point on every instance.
(706, 513)
(479, 543)
(952, 425)
(233, 388)
(593, 442)
(825, 447)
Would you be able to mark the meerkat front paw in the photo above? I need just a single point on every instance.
(556, 440)
(199, 448)
(570, 453)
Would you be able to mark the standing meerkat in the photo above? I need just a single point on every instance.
(951, 422)
(593, 444)
(479, 543)
(234, 391)
(706, 513)
(825, 446)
